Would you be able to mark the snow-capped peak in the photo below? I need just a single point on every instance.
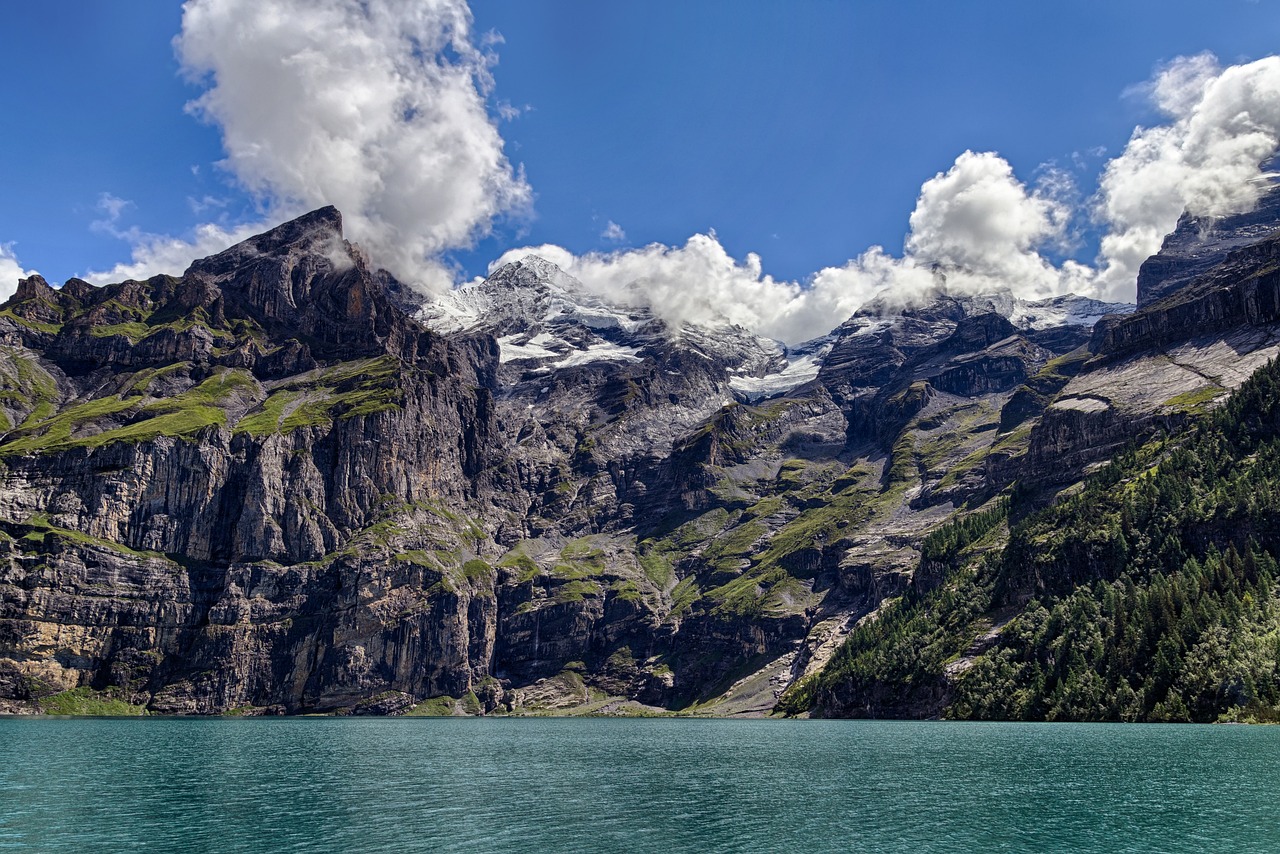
(531, 290)
(1065, 310)
(540, 313)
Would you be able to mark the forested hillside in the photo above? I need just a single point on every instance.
(1149, 595)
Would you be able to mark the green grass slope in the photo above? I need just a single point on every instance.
(1148, 595)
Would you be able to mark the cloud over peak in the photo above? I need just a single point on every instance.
(379, 107)
(978, 220)
(1224, 123)
(975, 227)
(10, 271)
(978, 228)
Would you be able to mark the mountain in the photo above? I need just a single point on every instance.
(202, 475)
(1144, 592)
(1201, 243)
(543, 318)
(274, 484)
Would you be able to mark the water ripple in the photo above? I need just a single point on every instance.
(662, 786)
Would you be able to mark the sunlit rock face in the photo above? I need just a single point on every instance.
(276, 484)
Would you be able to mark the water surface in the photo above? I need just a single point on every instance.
(588, 785)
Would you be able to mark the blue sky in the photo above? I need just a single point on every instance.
(817, 122)
(801, 131)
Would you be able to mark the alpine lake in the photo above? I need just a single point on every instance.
(632, 785)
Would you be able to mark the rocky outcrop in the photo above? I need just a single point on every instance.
(201, 477)
(1200, 243)
(884, 370)
(1242, 290)
(1151, 370)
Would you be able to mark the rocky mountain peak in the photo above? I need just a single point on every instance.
(303, 277)
(521, 295)
(981, 330)
(534, 271)
(316, 233)
(276, 303)
(33, 287)
(1200, 243)
(945, 306)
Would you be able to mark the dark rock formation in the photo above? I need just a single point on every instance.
(201, 476)
(264, 487)
(1198, 244)
(1242, 289)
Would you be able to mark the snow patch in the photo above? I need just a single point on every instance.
(509, 350)
(600, 352)
(1068, 310)
(802, 367)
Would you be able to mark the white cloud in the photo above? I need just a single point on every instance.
(509, 112)
(982, 227)
(112, 208)
(205, 203)
(10, 271)
(613, 232)
(1224, 124)
(700, 282)
(152, 254)
(975, 224)
(376, 106)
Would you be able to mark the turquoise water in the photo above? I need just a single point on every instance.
(328, 784)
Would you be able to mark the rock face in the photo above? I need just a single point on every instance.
(1241, 290)
(200, 477)
(1217, 321)
(264, 486)
(1199, 244)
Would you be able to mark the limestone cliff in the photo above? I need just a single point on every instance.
(268, 486)
(200, 478)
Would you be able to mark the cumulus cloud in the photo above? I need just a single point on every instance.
(10, 271)
(376, 106)
(697, 282)
(1224, 123)
(379, 107)
(975, 228)
(984, 228)
(152, 254)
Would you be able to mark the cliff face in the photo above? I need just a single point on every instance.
(201, 477)
(263, 486)
(1199, 244)
(1241, 290)
(1149, 371)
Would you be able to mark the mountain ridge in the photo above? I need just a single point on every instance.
(264, 487)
